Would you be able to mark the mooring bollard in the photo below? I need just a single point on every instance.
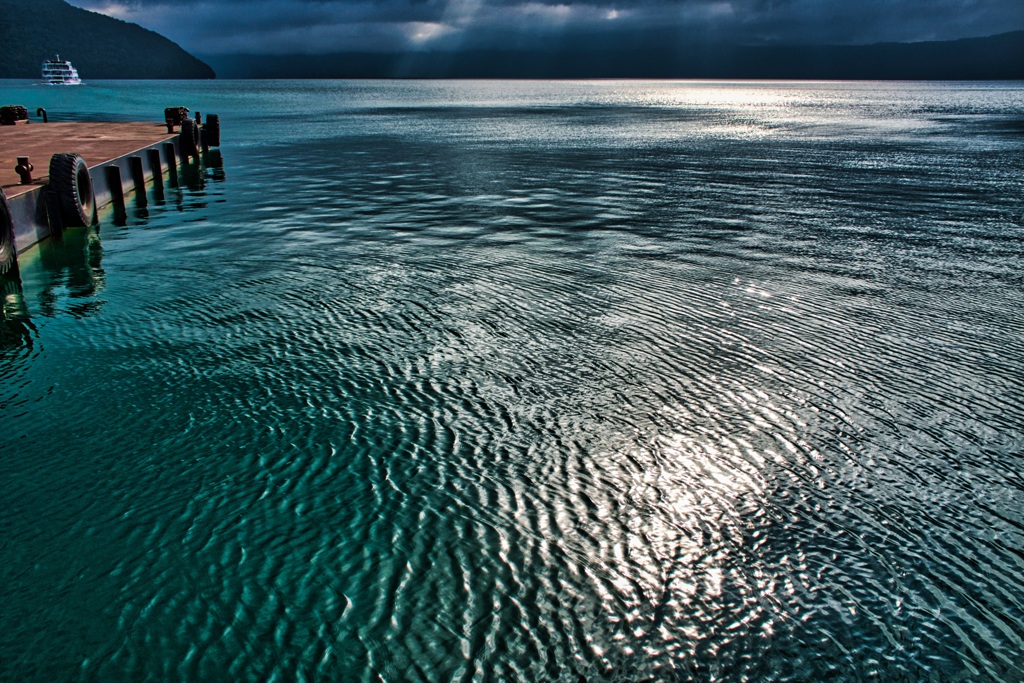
(138, 179)
(24, 169)
(173, 117)
(13, 114)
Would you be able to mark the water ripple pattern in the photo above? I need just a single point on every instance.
(531, 382)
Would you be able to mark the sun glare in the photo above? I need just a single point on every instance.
(424, 31)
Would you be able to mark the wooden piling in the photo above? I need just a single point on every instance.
(116, 186)
(138, 179)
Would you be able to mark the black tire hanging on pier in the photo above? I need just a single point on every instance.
(212, 130)
(189, 139)
(8, 254)
(70, 180)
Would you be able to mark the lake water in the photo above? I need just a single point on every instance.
(528, 381)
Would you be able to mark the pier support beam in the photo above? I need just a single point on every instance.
(138, 179)
(158, 173)
(53, 218)
(116, 186)
(172, 163)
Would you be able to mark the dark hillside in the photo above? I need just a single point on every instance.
(98, 46)
(994, 57)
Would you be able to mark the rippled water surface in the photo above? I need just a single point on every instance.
(528, 381)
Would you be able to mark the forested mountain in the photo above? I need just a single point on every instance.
(98, 46)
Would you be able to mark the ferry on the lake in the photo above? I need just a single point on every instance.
(60, 72)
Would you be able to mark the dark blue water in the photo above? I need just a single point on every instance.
(528, 381)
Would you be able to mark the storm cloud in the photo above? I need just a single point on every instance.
(388, 26)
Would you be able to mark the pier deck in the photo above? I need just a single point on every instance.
(98, 143)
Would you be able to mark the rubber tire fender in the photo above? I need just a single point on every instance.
(8, 254)
(71, 181)
(212, 130)
(189, 138)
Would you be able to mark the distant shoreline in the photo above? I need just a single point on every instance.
(999, 57)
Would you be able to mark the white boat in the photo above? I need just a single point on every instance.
(60, 72)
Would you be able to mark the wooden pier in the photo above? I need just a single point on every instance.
(115, 159)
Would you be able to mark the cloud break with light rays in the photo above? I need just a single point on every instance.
(393, 26)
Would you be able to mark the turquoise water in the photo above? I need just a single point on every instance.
(528, 381)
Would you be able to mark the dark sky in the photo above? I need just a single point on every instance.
(387, 26)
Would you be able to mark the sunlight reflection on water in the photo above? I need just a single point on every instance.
(531, 381)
